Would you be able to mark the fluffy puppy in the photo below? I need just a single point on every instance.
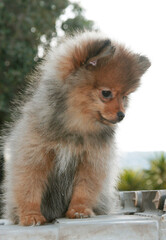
(59, 153)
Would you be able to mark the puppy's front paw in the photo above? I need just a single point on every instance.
(79, 211)
(32, 220)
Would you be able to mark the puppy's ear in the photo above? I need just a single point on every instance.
(143, 64)
(98, 51)
(88, 53)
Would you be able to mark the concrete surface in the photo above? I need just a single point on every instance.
(113, 227)
(142, 217)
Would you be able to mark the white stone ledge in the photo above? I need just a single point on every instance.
(113, 227)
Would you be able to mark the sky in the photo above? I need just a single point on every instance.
(140, 26)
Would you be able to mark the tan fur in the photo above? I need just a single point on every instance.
(68, 123)
(32, 166)
(36, 177)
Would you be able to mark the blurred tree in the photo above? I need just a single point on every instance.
(131, 180)
(155, 176)
(152, 179)
(26, 26)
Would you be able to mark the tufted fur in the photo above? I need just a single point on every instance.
(59, 153)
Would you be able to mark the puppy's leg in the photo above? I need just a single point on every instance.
(30, 178)
(88, 184)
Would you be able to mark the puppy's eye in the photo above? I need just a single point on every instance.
(106, 94)
(124, 98)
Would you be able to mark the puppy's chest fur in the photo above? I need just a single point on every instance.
(59, 187)
(66, 155)
(75, 149)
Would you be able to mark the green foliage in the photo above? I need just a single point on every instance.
(78, 23)
(131, 180)
(23, 26)
(156, 175)
(151, 179)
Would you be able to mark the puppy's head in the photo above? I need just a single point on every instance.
(99, 75)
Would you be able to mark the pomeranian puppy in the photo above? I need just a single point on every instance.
(59, 153)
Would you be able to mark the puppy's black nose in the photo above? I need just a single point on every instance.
(120, 116)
